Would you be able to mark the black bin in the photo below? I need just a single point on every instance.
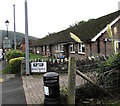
(51, 88)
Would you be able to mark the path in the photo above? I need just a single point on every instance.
(11, 88)
(33, 86)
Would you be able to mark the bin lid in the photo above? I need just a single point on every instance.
(50, 74)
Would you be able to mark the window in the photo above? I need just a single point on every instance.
(98, 44)
(56, 48)
(116, 46)
(43, 49)
(61, 48)
(72, 48)
(47, 48)
(81, 48)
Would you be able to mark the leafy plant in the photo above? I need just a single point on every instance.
(14, 54)
(109, 74)
(15, 65)
(63, 94)
(6, 70)
(113, 62)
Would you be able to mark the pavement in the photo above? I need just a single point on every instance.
(28, 90)
(34, 87)
(11, 89)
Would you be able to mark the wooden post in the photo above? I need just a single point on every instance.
(93, 83)
(71, 80)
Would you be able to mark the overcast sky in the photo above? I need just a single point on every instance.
(48, 16)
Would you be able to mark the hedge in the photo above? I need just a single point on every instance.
(14, 54)
(15, 65)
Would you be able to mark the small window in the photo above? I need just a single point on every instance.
(43, 49)
(61, 48)
(81, 48)
(47, 48)
(116, 46)
(56, 48)
(72, 48)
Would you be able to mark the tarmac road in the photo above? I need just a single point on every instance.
(12, 89)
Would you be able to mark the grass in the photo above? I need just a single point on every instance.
(38, 56)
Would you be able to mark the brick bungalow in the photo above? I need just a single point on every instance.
(93, 34)
(23, 44)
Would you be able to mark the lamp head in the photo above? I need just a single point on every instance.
(7, 22)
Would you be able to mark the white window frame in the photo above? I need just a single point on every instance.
(80, 48)
(47, 47)
(43, 48)
(56, 48)
(115, 46)
(61, 48)
(72, 48)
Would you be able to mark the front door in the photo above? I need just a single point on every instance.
(66, 49)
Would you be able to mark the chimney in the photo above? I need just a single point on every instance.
(119, 5)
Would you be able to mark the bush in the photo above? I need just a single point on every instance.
(63, 94)
(113, 62)
(14, 54)
(109, 74)
(15, 65)
(6, 70)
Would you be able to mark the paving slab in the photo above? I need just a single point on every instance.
(33, 86)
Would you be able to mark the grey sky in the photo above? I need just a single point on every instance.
(48, 16)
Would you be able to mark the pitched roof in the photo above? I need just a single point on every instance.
(86, 31)
(105, 29)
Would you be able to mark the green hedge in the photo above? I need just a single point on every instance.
(15, 65)
(14, 54)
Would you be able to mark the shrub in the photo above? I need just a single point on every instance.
(63, 94)
(113, 62)
(109, 74)
(15, 65)
(6, 70)
(14, 54)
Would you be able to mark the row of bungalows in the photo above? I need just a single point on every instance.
(93, 34)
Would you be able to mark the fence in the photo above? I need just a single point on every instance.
(61, 65)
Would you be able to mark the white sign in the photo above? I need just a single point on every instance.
(46, 90)
(6, 43)
(38, 67)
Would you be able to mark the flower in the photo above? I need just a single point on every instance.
(109, 31)
(73, 36)
(115, 30)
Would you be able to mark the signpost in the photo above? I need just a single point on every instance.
(6, 43)
(26, 40)
(38, 67)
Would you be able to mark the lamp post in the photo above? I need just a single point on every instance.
(26, 40)
(7, 23)
(6, 38)
(14, 28)
(105, 41)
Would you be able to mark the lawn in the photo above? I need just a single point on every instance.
(36, 56)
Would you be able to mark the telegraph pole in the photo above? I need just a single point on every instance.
(14, 28)
(26, 40)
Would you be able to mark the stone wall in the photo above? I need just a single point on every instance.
(61, 65)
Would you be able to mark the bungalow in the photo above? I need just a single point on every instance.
(23, 44)
(93, 34)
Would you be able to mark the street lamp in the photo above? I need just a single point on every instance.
(105, 41)
(7, 23)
